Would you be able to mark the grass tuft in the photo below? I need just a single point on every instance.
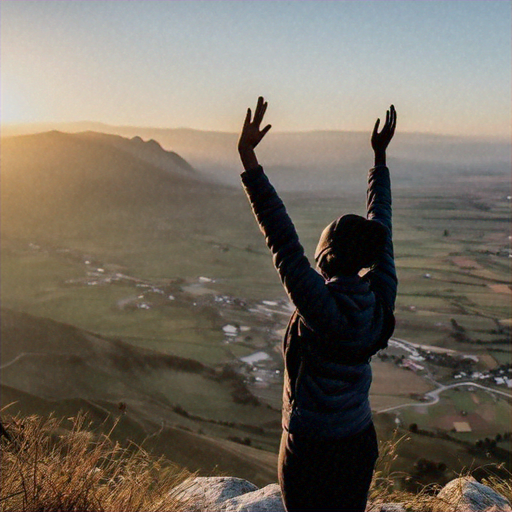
(50, 464)
(386, 489)
(47, 467)
(501, 485)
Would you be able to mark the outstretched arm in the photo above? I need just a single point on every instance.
(251, 135)
(383, 276)
(304, 286)
(380, 141)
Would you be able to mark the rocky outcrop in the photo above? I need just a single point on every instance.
(267, 499)
(465, 494)
(210, 493)
(228, 494)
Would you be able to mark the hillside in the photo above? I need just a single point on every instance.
(337, 159)
(170, 403)
(129, 276)
(58, 180)
(201, 417)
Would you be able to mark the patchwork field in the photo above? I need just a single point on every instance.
(187, 274)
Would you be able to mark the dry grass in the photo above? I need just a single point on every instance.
(46, 467)
(502, 486)
(384, 487)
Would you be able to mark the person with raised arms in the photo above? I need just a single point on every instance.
(344, 314)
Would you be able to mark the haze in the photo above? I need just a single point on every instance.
(321, 65)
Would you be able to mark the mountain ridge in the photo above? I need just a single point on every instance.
(319, 160)
(70, 180)
(13, 129)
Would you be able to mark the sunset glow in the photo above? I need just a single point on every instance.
(14, 107)
(322, 65)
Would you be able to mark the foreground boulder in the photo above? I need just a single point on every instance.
(465, 494)
(229, 494)
(267, 499)
(210, 493)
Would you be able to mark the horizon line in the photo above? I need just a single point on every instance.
(41, 124)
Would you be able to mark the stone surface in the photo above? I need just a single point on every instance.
(465, 494)
(267, 499)
(229, 494)
(209, 493)
(385, 507)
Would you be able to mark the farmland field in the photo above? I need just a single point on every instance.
(200, 285)
(461, 275)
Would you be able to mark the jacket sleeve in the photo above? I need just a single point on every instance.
(383, 276)
(305, 287)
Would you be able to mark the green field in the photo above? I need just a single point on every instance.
(233, 254)
(185, 272)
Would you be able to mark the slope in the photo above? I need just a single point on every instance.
(169, 402)
(60, 182)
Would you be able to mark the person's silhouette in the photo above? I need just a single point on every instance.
(329, 445)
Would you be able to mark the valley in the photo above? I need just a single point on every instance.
(163, 297)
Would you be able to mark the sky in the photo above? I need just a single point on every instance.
(321, 64)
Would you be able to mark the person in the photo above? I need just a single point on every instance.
(342, 317)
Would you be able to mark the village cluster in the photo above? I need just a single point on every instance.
(404, 354)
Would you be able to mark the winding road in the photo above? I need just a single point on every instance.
(434, 394)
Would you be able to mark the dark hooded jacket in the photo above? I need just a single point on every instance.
(338, 324)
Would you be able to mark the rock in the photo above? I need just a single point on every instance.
(392, 507)
(465, 494)
(209, 493)
(385, 507)
(229, 494)
(267, 499)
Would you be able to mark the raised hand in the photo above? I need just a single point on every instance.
(252, 134)
(380, 141)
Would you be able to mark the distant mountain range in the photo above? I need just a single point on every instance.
(91, 165)
(136, 188)
(83, 182)
(64, 181)
(316, 160)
